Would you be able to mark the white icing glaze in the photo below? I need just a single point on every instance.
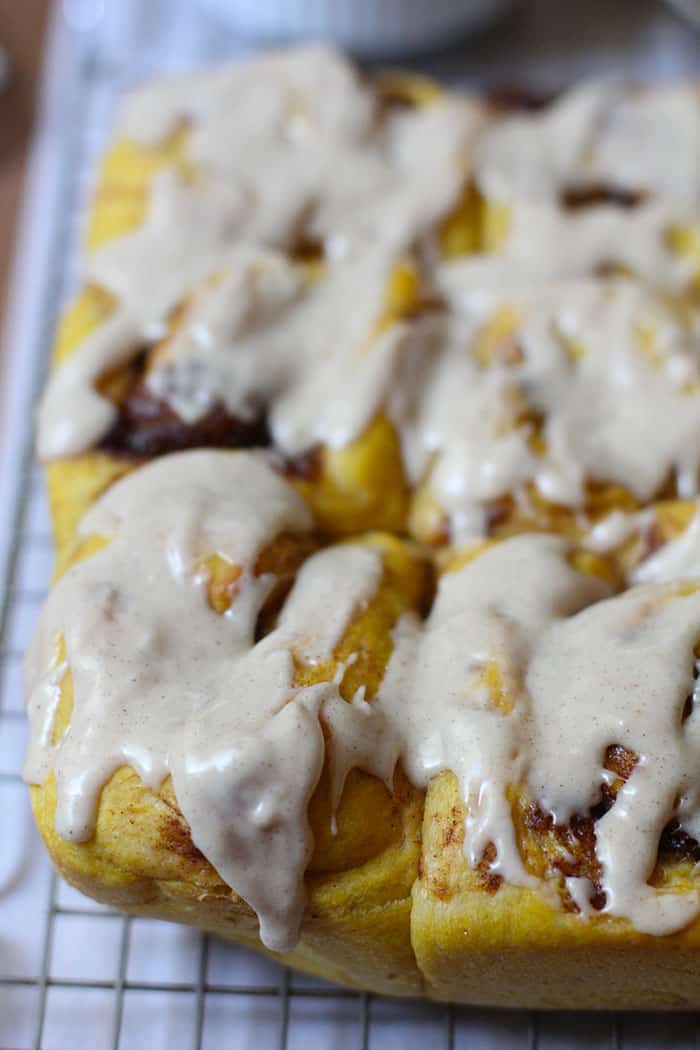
(606, 134)
(72, 414)
(256, 333)
(292, 143)
(580, 892)
(434, 692)
(617, 527)
(678, 559)
(599, 360)
(620, 672)
(164, 684)
(569, 245)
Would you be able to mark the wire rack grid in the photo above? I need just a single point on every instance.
(75, 975)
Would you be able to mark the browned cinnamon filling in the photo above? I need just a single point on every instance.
(575, 198)
(676, 842)
(490, 880)
(307, 249)
(147, 426)
(507, 100)
(306, 466)
(497, 512)
(578, 838)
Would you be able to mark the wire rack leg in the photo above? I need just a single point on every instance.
(450, 1026)
(201, 991)
(534, 1030)
(364, 1021)
(616, 1033)
(43, 981)
(284, 1009)
(119, 986)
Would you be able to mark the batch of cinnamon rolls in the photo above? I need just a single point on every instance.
(373, 443)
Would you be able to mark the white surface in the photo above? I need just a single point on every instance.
(549, 44)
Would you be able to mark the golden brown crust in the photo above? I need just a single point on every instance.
(518, 947)
(142, 860)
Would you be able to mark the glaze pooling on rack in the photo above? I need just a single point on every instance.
(164, 684)
(295, 146)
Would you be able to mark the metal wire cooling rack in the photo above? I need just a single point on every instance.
(74, 975)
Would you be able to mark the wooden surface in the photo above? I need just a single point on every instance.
(22, 26)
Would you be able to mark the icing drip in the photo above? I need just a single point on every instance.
(620, 672)
(676, 560)
(617, 527)
(436, 686)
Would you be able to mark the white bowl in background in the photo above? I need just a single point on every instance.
(371, 28)
(689, 8)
